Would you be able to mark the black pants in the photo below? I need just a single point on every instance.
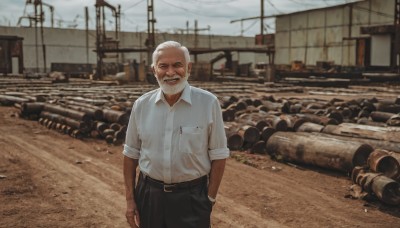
(183, 208)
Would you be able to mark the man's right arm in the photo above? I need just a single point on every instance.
(132, 213)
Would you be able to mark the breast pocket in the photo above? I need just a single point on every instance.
(191, 140)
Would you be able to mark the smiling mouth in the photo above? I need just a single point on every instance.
(171, 79)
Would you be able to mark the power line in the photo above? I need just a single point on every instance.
(133, 5)
(212, 2)
(192, 12)
(273, 6)
(250, 26)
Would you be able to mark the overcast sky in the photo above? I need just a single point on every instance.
(171, 15)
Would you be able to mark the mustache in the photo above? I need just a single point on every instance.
(175, 77)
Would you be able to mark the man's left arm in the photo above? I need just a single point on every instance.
(218, 150)
(216, 173)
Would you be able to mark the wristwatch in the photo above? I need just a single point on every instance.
(212, 200)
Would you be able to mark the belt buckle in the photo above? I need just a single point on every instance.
(167, 186)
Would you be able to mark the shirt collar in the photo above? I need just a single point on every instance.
(186, 94)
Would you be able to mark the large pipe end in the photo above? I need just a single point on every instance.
(380, 161)
(235, 142)
(361, 155)
(387, 190)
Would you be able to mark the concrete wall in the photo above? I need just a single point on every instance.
(69, 46)
(321, 34)
(380, 48)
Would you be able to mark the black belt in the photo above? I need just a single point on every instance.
(174, 186)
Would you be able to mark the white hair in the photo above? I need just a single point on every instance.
(170, 44)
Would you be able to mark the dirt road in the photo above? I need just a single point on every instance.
(52, 180)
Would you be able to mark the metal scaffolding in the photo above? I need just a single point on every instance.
(104, 43)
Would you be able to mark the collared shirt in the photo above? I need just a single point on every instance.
(178, 143)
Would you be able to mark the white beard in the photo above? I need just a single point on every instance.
(173, 89)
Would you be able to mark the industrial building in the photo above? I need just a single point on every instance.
(353, 37)
(359, 34)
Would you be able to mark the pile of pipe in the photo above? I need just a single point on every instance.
(83, 108)
(336, 135)
(332, 134)
(380, 177)
(79, 120)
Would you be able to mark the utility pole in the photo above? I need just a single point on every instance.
(150, 42)
(117, 13)
(261, 18)
(87, 33)
(397, 31)
(196, 36)
(262, 22)
(36, 40)
(42, 34)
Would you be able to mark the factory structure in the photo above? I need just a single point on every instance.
(358, 36)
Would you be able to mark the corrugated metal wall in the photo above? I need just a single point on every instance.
(69, 45)
(322, 34)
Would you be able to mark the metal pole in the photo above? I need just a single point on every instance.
(87, 33)
(195, 39)
(117, 28)
(150, 29)
(397, 33)
(42, 37)
(36, 40)
(262, 22)
(99, 53)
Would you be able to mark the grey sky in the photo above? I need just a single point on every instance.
(171, 15)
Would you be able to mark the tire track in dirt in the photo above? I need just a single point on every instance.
(96, 194)
(93, 163)
(240, 215)
(277, 193)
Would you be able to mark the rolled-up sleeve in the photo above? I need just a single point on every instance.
(217, 148)
(132, 141)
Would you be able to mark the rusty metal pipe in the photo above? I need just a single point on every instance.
(32, 108)
(65, 120)
(293, 121)
(228, 114)
(249, 134)
(317, 150)
(323, 120)
(367, 121)
(364, 131)
(391, 146)
(394, 120)
(11, 100)
(258, 147)
(384, 188)
(96, 114)
(235, 141)
(310, 127)
(382, 162)
(113, 116)
(70, 113)
(267, 132)
(381, 116)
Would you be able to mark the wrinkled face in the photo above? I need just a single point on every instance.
(171, 70)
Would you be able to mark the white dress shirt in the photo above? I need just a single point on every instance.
(176, 144)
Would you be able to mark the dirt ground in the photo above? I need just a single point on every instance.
(52, 180)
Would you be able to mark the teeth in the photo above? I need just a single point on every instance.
(171, 79)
